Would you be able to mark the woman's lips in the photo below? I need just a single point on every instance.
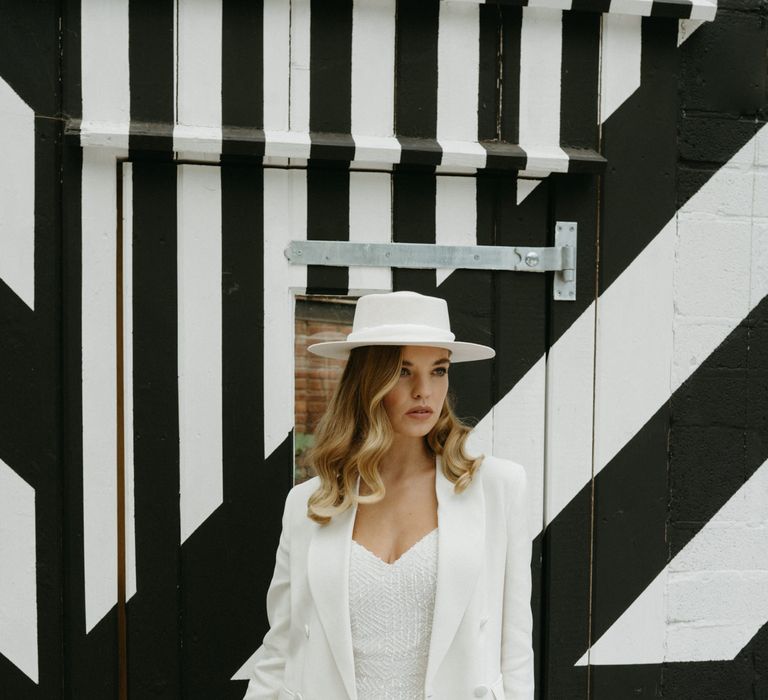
(420, 412)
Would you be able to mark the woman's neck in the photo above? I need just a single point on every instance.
(406, 457)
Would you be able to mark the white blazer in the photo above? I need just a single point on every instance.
(481, 630)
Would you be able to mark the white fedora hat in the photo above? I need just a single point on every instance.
(402, 318)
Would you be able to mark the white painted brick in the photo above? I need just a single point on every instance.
(694, 338)
(759, 267)
(712, 263)
(760, 204)
(728, 193)
(698, 597)
(687, 643)
(726, 547)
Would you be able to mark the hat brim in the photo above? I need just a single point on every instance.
(460, 351)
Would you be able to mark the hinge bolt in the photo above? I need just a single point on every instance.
(532, 259)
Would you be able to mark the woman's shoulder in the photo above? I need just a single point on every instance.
(302, 491)
(497, 472)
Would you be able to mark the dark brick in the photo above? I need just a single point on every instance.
(710, 139)
(724, 65)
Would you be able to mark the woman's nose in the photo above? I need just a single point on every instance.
(420, 389)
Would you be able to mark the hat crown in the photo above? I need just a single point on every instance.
(402, 318)
(399, 309)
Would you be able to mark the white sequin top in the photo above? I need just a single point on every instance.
(391, 607)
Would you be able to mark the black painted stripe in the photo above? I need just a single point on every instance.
(642, 168)
(651, 503)
(579, 79)
(92, 660)
(584, 160)
(413, 221)
(504, 156)
(153, 614)
(327, 220)
(71, 61)
(151, 59)
(566, 545)
(489, 78)
(598, 6)
(678, 9)
(416, 30)
(509, 119)
(330, 76)
(227, 562)
(242, 81)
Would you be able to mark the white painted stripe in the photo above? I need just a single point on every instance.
(377, 150)
(515, 430)
(461, 155)
(455, 215)
(129, 485)
(285, 219)
(686, 27)
(105, 71)
(277, 62)
(17, 195)
(709, 601)
(675, 303)
(552, 4)
(370, 221)
(300, 52)
(704, 10)
(199, 351)
(287, 144)
(569, 414)
(632, 7)
(701, 9)
(458, 58)
(198, 66)
(18, 574)
(541, 45)
(525, 187)
(620, 55)
(99, 395)
(373, 67)
(634, 330)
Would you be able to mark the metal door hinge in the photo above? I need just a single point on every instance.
(560, 258)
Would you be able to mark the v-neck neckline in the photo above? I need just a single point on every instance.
(402, 556)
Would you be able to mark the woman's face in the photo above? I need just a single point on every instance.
(414, 404)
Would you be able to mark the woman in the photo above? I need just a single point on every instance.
(403, 568)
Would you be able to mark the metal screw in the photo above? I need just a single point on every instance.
(477, 257)
(571, 229)
(532, 259)
(298, 252)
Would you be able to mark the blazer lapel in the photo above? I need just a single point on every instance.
(461, 533)
(328, 572)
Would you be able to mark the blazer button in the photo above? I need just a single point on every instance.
(481, 691)
(306, 633)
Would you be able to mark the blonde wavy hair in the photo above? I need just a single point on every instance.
(355, 433)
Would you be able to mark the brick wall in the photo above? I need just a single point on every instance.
(317, 319)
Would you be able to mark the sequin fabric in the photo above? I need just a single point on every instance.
(391, 609)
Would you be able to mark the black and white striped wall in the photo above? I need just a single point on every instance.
(157, 157)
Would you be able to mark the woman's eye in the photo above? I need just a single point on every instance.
(441, 371)
(404, 372)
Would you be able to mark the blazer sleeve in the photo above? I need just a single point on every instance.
(269, 666)
(517, 618)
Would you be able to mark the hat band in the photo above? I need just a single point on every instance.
(402, 333)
